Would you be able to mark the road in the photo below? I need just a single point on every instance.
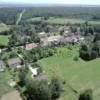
(20, 16)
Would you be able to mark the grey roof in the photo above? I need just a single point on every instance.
(14, 61)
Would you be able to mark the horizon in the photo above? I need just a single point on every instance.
(51, 2)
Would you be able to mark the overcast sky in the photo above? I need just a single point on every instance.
(88, 2)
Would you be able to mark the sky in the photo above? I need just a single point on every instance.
(88, 2)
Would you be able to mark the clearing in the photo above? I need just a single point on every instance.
(4, 39)
(4, 85)
(4, 27)
(79, 75)
(62, 21)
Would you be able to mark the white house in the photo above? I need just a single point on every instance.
(34, 71)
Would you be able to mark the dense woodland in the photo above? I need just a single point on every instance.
(88, 13)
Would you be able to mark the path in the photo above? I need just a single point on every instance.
(20, 16)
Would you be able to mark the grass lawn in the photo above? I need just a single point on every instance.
(53, 20)
(4, 40)
(35, 19)
(53, 33)
(80, 75)
(3, 27)
(4, 87)
(62, 21)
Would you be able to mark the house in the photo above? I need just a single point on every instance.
(30, 46)
(2, 66)
(34, 71)
(14, 62)
(42, 35)
(52, 40)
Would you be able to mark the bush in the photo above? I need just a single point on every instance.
(56, 88)
(86, 95)
(76, 58)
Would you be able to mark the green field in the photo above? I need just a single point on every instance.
(53, 20)
(62, 21)
(53, 33)
(35, 19)
(4, 40)
(3, 27)
(79, 75)
(4, 87)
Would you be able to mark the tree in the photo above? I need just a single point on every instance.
(85, 52)
(87, 95)
(56, 88)
(97, 37)
(62, 32)
(22, 75)
(38, 90)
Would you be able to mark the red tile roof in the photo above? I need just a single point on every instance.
(31, 46)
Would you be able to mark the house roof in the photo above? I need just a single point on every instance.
(54, 38)
(31, 46)
(34, 70)
(13, 61)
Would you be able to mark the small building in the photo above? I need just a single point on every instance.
(34, 71)
(54, 40)
(42, 35)
(30, 46)
(14, 62)
(2, 66)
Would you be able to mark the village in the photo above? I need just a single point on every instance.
(49, 52)
(18, 61)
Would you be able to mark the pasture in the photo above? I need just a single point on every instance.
(62, 21)
(3, 27)
(78, 75)
(4, 79)
(4, 39)
(34, 19)
(53, 33)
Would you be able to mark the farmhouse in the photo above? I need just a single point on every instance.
(52, 40)
(42, 35)
(30, 46)
(14, 62)
(2, 67)
(34, 71)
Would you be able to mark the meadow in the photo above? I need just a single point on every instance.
(4, 81)
(78, 75)
(62, 21)
(35, 19)
(4, 27)
(4, 39)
